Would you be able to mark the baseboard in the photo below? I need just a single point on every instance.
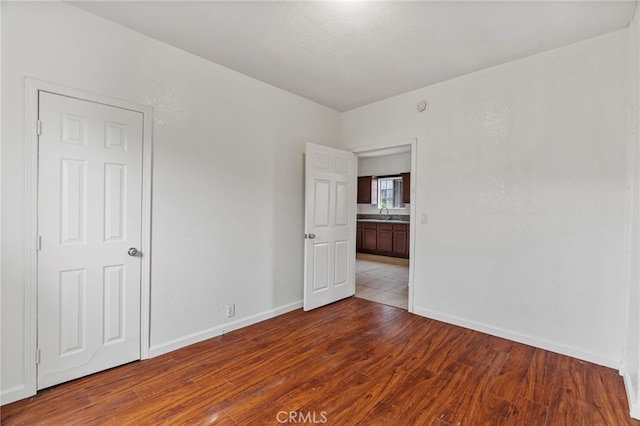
(219, 330)
(634, 405)
(520, 338)
(634, 410)
(13, 394)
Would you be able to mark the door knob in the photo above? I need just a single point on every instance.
(310, 236)
(133, 252)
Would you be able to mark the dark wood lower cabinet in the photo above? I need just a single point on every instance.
(369, 236)
(384, 237)
(401, 240)
(387, 239)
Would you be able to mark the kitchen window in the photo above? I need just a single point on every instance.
(389, 192)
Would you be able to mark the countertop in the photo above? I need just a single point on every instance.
(384, 221)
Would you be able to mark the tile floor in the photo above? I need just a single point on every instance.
(382, 279)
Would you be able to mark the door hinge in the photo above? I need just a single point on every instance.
(38, 356)
(38, 127)
(39, 243)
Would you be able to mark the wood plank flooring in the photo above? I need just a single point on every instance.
(354, 362)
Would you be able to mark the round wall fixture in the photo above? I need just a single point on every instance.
(422, 106)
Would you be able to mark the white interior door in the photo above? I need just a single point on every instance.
(89, 216)
(330, 225)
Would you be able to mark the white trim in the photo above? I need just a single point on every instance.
(220, 330)
(32, 88)
(31, 232)
(413, 220)
(413, 143)
(1, 393)
(634, 405)
(520, 338)
(633, 160)
(382, 146)
(632, 163)
(145, 238)
(13, 394)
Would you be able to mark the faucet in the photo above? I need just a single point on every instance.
(384, 208)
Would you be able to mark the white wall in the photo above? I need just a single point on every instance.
(521, 167)
(227, 173)
(384, 165)
(522, 171)
(631, 356)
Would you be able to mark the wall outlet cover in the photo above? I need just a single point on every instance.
(231, 310)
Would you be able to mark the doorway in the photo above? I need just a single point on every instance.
(386, 225)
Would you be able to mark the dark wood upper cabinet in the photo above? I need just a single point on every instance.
(406, 187)
(367, 190)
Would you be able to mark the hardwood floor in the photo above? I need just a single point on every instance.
(355, 362)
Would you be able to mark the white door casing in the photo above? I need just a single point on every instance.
(383, 149)
(89, 215)
(330, 225)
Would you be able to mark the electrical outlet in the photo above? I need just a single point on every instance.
(231, 310)
(424, 218)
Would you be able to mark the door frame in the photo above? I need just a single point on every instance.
(412, 143)
(32, 89)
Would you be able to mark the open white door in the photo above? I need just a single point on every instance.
(330, 226)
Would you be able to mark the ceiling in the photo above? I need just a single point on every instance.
(345, 54)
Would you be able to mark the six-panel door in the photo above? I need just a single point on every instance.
(330, 220)
(89, 215)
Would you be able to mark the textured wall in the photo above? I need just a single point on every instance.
(227, 172)
(522, 171)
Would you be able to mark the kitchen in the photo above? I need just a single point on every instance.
(383, 221)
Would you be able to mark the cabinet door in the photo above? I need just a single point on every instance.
(364, 195)
(385, 237)
(406, 187)
(401, 240)
(367, 190)
(358, 236)
(369, 239)
(400, 243)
